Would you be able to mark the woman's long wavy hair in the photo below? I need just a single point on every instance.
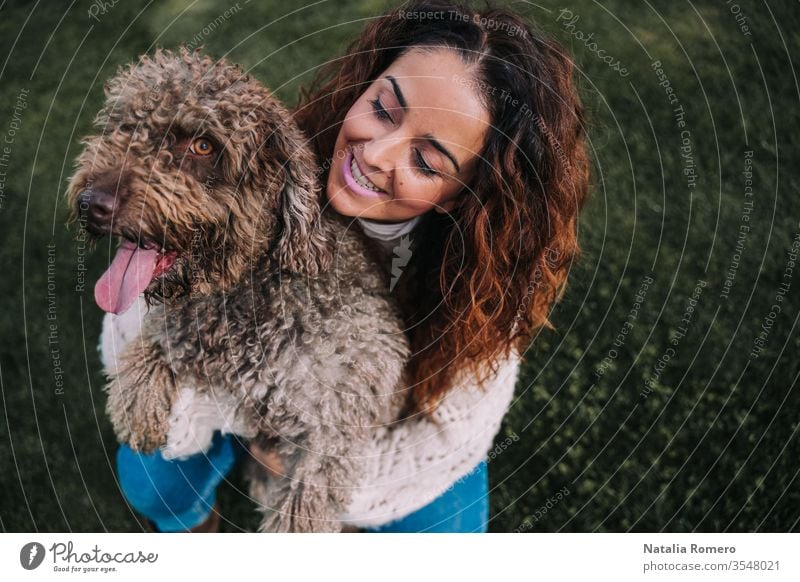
(487, 275)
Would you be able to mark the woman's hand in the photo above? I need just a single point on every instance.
(269, 459)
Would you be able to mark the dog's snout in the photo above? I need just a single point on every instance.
(96, 209)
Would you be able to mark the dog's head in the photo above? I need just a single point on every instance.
(202, 174)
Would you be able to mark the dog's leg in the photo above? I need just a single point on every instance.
(316, 446)
(318, 415)
(314, 491)
(140, 396)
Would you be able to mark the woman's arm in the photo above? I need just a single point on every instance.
(413, 462)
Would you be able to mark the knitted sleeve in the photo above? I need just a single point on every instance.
(411, 463)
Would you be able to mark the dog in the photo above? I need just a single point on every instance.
(234, 301)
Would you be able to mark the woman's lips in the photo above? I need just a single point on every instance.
(354, 186)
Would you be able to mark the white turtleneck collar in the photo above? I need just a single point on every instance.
(384, 231)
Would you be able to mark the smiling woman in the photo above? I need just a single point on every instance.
(410, 142)
(483, 128)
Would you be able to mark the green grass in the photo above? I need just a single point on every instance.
(713, 447)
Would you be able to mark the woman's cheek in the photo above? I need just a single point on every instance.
(357, 123)
(420, 200)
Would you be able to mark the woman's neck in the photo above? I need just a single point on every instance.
(387, 231)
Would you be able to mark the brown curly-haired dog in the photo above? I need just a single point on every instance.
(234, 302)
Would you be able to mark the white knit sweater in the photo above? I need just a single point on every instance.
(411, 463)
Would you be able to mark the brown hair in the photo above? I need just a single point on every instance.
(488, 273)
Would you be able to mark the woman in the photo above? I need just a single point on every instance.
(455, 139)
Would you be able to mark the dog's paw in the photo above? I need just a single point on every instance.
(139, 420)
(140, 398)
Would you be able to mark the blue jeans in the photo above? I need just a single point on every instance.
(463, 508)
(178, 495)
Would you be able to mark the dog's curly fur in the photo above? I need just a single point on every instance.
(273, 311)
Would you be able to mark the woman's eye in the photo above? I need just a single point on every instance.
(423, 167)
(380, 112)
(202, 147)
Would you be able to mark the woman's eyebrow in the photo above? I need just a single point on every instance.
(435, 143)
(428, 137)
(397, 92)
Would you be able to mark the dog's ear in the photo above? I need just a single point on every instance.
(304, 244)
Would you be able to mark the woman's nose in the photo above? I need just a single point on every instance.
(382, 154)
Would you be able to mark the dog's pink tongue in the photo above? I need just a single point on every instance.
(129, 274)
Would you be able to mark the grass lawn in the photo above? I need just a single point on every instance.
(667, 397)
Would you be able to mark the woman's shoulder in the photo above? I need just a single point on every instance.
(470, 399)
(503, 366)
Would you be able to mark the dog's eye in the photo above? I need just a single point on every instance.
(202, 147)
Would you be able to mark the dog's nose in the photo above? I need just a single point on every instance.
(96, 208)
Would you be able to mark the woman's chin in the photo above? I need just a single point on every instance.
(342, 203)
(347, 203)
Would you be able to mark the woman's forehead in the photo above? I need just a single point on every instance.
(438, 100)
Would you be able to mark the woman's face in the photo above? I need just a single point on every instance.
(410, 143)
